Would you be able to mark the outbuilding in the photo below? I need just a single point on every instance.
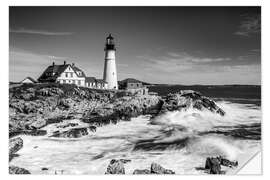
(28, 80)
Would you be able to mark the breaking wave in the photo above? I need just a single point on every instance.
(179, 140)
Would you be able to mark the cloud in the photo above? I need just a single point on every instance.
(24, 63)
(179, 62)
(193, 59)
(251, 24)
(56, 57)
(39, 32)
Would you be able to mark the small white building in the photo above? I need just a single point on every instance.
(92, 82)
(28, 80)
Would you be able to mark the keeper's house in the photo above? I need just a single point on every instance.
(70, 74)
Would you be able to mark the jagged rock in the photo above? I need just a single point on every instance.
(225, 162)
(125, 160)
(68, 125)
(72, 133)
(17, 170)
(38, 123)
(141, 171)
(93, 128)
(15, 145)
(115, 167)
(50, 91)
(158, 169)
(187, 99)
(213, 164)
(63, 103)
(56, 119)
(27, 96)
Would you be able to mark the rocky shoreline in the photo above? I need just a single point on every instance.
(32, 108)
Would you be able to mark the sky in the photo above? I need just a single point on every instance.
(168, 45)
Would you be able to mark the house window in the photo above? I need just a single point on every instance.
(73, 81)
(79, 82)
(79, 73)
(64, 81)
(66, 74)
(71, 74)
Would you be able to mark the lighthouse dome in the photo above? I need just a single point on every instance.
(109, 43)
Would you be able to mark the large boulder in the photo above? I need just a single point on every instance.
(213, 165)
(37, 124)
(18, 170)
(158, 169)
(226, 162)
(115, 167)
(189, 99)
(74, 133)
(15, 145)
(154, 169)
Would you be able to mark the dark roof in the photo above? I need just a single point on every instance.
(31, 79)
(76, 69)
(131, 80)
(101, 81)
(90, 79)
(93, 79)
(55, 71)
(110, 36)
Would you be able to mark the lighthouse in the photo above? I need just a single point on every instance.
(110, 75)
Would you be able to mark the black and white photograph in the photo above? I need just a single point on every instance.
(134, 90)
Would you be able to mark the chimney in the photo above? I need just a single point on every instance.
(64, 62)
(52, 63)
(73, 64)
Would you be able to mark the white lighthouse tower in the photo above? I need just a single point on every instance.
(110, 75)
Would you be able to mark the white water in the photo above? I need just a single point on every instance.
(172, 140)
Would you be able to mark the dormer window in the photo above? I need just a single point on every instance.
(79, 73)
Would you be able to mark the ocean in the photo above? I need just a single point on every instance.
(179, 140)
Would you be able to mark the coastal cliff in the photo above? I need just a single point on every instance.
(33, 107)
